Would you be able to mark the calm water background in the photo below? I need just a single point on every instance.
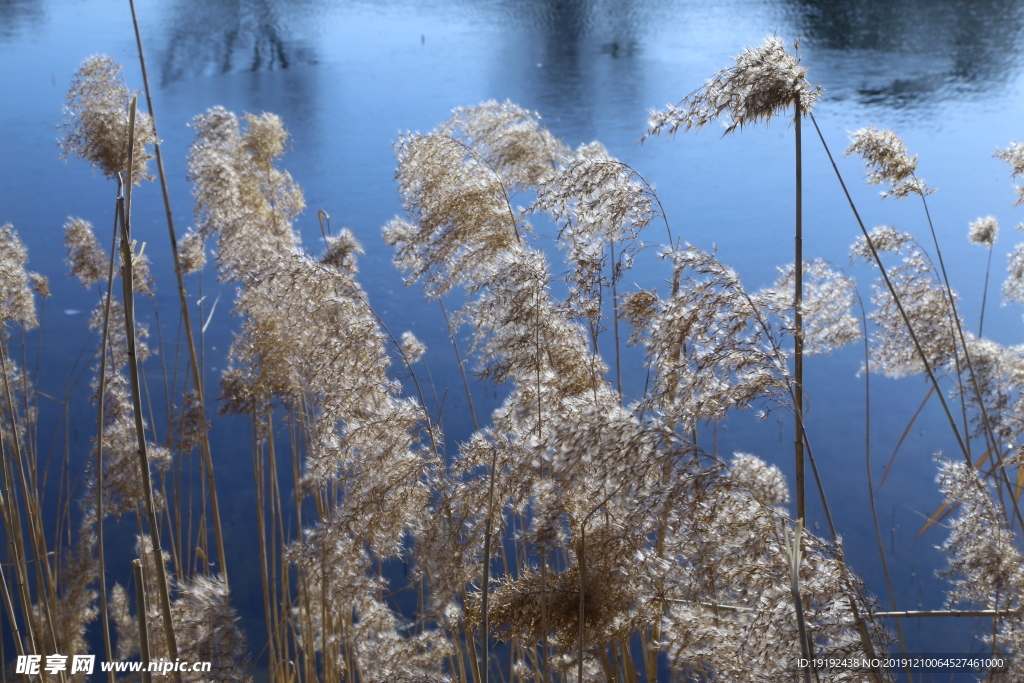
(347, 79)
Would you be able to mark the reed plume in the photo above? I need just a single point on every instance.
(887, 161)
(984, 231)
(205, 625)
(1014, 155)
(827, 303)
(985, 564)
(917, 285)
(96, 121)
(764, 82)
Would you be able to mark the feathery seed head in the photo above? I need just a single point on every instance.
(40, 283)
(509, 139)
(86, 257)
(192, 252)
(764, 482)
(96, 120)
(461, 218)
(984, 231)
(984, 563)
(1014, 155)
(708, 345)
(887, 161)
(241, 197)
(207, 629)
(884, 238)
(412, 348)
(999, 373)
(341, 252)
(1013, 287)
(924, 300)
(764, 82)
(826, 304)
(601, 203)
(142, 277)
(639, 309)
(265, 138)
(613, 602)
(16, 298)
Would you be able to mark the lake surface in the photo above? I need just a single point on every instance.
(348, 78)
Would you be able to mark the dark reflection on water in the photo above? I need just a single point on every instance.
(16, 15)
(206, 38)
(580, 47)
(877, 52)
(914, 51)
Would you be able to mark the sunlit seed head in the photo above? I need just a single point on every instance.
(342, 251)
(192, 252)
(887, 161)
(96, 121)
(412, 348)
(15, 282)
(86, 257)
(764, 82)
(1014, 155)
(984, 231)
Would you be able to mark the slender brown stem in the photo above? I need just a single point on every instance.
(984, 292)
(8, 602)
(462, 367)
(100, 400)
(127, 257)
(197, 380)
(141, 606)
(899, 304)
(484, 586)
(798, 318)
(615, 322)
(871, 485)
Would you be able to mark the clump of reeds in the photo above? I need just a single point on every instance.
(596, 536)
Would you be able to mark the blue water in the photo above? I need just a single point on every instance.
(347, 79)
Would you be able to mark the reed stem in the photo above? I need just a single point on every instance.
(798, 318)
(197, 380)
(142, 607)
(127, 258)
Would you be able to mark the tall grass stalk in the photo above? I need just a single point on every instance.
(142, 609)
(984, 291)
(128, 257)
(194, 365)
(486, 580)
(792, 548)
(798, 316)
(100, 419)
(899, 305)
(16, 543)
(990, 439)
(12, 614)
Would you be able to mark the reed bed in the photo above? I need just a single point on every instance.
(577, 535)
